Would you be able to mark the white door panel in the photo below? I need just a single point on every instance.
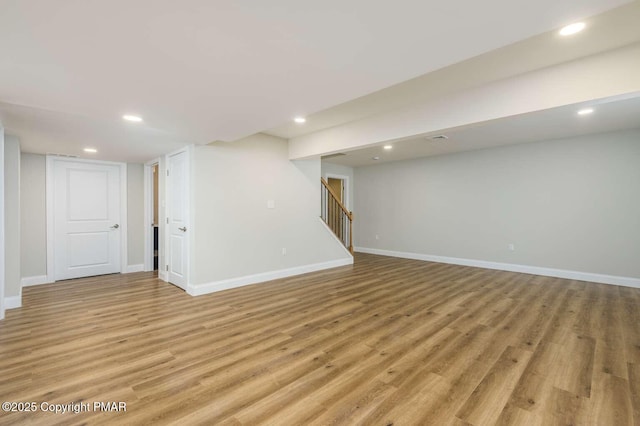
(177, 217)
(79, 256)
(177, 255)
(88, 194)
(86, 209)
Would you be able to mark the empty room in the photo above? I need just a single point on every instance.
(349, 213)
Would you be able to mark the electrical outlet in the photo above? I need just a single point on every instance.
(284, 251)
(377, 237)
(511, 247)
(271, 204)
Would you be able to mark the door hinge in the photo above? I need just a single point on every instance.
(166, 267)
(167, 172)
(167, 221)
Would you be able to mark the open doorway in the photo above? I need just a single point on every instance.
(155, 222)
(340, 179)
(338, 187)
(333, 214)
(153, 214)
(341, 185)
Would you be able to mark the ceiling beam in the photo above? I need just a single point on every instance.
(614, 73)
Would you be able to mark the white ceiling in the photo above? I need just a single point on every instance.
(203, 70)
(607, 31)
(51, 132)
(557, 123)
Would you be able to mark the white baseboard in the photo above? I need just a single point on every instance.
(197, 290)
(35, 280)
(12, 302)
(535, 270)
(134, 268)
(163, 276)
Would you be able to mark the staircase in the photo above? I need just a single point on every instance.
(336, 215)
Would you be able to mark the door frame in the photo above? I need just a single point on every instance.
(345, 191)
(148, 214)
(188, 214)
(2, 247)
(51, 159)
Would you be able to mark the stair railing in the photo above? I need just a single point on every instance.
(336, 215)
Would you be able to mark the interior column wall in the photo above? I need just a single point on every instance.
(12, 275)
(256, 212)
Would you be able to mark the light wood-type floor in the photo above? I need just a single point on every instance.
(387, 341)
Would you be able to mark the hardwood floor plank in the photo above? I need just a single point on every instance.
(385, 341)
(292, 400)
(611, 401)
(406, 405)
(516, 416)
(629, 319)
(495, 388)
(634, 384)
(566, 408)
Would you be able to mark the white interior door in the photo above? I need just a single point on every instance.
(178, 218)
(87, 227)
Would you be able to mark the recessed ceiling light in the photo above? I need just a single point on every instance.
(300, 120)
(585, 111)
(133, 118)
(572, 29)
(387, 147)
(90, 150)
(375, 158)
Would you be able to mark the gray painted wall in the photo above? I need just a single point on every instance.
(33, 234)
(234, 233)
(570, 204)
(135, 214)
(12, 216)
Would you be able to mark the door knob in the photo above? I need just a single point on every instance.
(116, 226)
(183, 229)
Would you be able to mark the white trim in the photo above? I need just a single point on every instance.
(198, 290)
(34, 280)
(124, 211)
(163, 276)
(148, 212)
(330, 231)
(49, 210)
(134, 268)
(535, 270)
(49, 196)
(2, 242)
(147, 194)
(13, 302)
